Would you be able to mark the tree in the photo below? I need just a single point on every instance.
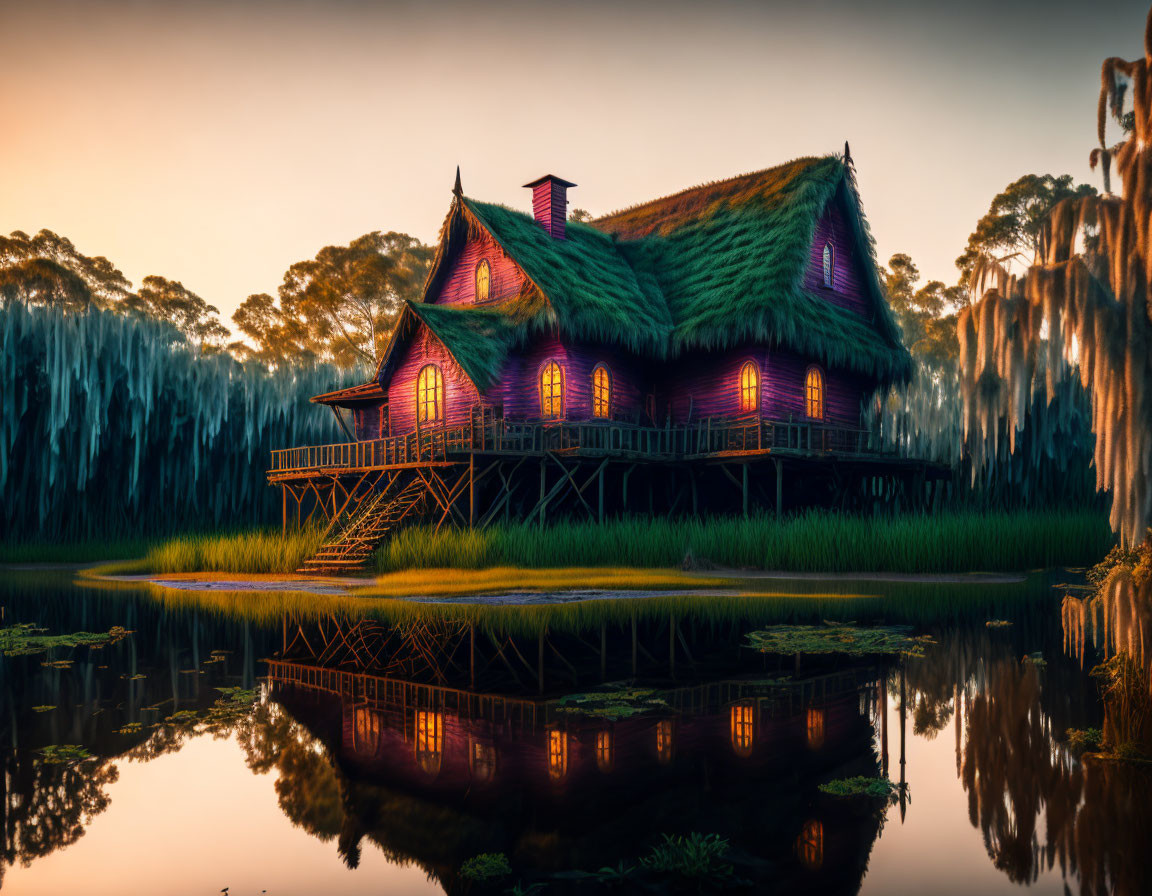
(926, 320)
(1012, 226)
(105, 284)
(580, 214)
(1084, 299)
(38, 281)
(341, 305)
(170, 300)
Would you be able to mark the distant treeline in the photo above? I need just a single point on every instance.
(116, 425)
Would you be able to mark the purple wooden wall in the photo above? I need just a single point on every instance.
(369, 423)
(459, 394)
(459, 284)
(519, 389)
(710, 386)
(848, 281)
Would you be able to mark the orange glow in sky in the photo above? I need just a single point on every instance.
(217, 143)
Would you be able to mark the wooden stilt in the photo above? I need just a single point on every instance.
(600, 489)
(744, 486)
(471, 490)
(779, 487)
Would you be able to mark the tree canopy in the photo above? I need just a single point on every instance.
(339, 306)
(926, 314)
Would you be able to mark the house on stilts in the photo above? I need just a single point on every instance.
(713, 351)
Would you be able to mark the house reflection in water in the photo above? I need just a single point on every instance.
(722, 748)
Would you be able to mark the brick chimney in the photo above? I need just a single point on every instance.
(550, 203)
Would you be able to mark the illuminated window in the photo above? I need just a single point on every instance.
(557, 754)
(483, 280)
(810, 845)
(430, 395)
(749, 388)
(601, 392)
(365, 730)
(664, 740)
(742, 729)
(829, 265)
(429, 740)
(604, 750)
(551, 391)
(815, 728)
(482, 760)
(814, 394)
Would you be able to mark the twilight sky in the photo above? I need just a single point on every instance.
(216, 143)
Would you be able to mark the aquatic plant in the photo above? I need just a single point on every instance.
(613, 703)
(846, 639)
(486, 866)
(64, 754)
(873, 788)
(1084, 300)
(699, 856)
(25, 639)
(112, 425)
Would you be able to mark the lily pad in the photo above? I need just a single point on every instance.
(839, 638)
(614, 703)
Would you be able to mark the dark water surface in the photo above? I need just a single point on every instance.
(377, 753)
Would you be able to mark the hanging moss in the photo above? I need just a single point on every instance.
(111, 426)
(1084, 301)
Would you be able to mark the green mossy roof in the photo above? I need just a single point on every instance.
(587, 288)
(478, 338)
(716, 266)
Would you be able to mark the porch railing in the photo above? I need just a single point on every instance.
(708, 436)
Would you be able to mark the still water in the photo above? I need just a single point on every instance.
(302, 747)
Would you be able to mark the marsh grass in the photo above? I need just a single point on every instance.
(505, 579)
(254, 551)
(86, 551)
(810, 542)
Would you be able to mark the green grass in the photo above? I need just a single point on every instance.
(812, 542)
(256, 551)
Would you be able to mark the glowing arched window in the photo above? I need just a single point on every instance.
(601, 392)
(664, 743)
(604, 750)
(814, 394)
(829, 264)
(810, 845)
(557, 754)
(551, 391)
(742, 729)
(482, 760)
(430, 394)
(429, 740)
(483, 280)
(815, 728)
(365, 731)
(749, 388)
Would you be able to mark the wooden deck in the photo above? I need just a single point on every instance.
(706, 439)
(510, 471)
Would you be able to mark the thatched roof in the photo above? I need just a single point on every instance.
(477, 338)
(730, 259)
(712, 267)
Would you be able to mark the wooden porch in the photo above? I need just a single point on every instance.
(497, 470)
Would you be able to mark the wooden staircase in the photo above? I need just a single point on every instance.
(353, 545)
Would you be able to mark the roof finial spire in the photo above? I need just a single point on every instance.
(457, 190)
(847, 154)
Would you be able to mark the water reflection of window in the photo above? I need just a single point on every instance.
(482, 760)
(604, 750)
(365, 730)
(742, 716)
(429, 740)
(810, 845)
(664, 740)
(815, 728)
(557, 754)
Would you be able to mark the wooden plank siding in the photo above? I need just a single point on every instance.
(709, 386)
(519, 389)
(848, 284)
(459, 286)
(460, 396)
